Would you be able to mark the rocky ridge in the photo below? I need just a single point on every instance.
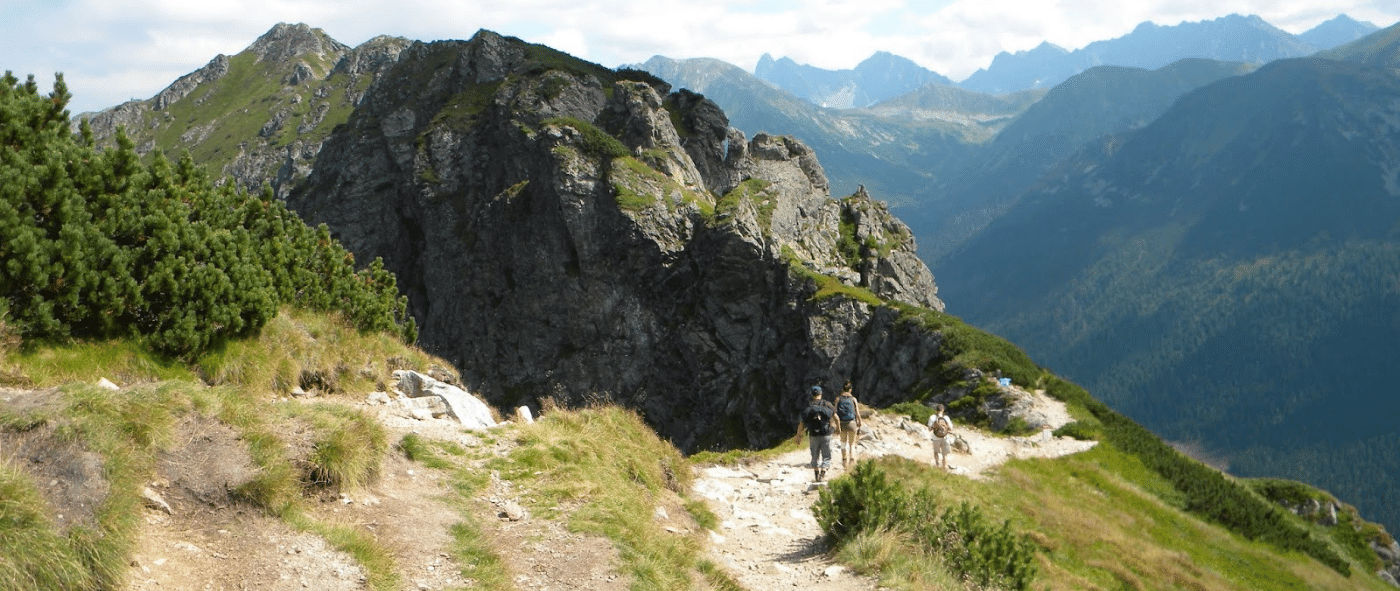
(569, 232)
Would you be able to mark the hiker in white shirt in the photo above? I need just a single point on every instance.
(941, 430)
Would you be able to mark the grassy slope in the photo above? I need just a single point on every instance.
(1101, 519)
(222, 120)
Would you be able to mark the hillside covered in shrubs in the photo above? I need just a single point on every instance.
(100, 244)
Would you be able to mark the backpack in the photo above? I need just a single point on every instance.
(941, 427)
(817, 419)
(846, 408)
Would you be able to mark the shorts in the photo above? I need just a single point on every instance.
(941, 446)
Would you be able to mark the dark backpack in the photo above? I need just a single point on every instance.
(941, 428)
(817, 419)
(846, 408)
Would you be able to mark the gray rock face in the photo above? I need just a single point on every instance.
(684, 271)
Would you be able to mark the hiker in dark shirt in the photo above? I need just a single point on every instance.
(819, 421)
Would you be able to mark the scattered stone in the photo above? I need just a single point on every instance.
(188, 547)
(154, 500)
(724, 472)
(513, 511)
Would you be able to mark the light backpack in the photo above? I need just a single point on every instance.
(846, 408)
(941, 427)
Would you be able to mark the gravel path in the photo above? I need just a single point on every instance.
(769, 539)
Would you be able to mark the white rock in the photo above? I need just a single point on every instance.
(470, 411)
(525, 415)
(513, 511)
(154, 501)
(107, 384)
(713, 489)
(834, 571)
(724, 472)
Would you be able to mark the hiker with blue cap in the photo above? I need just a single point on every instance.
(819, 422)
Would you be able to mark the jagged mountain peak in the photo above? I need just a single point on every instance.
(289, 89)
(285, 41)
(1231, 38)
(880, 77)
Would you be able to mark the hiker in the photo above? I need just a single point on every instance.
(848, 411)
(941, 429)
(818, 419)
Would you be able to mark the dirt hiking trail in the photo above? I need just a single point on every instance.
(769, 538)
(197, 538)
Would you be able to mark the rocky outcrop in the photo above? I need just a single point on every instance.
(468, 410)
(561, 238)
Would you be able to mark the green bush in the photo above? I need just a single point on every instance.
(867, 501)
(915, 411)
(99, 245)
(990, 555)
(1077, 430)
(595, 142)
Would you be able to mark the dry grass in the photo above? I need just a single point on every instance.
(313, 351)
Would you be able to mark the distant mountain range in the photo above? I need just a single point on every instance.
(896, 149)
(881, 76)
(1233, 38)
(1226, 274)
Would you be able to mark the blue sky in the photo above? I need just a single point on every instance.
(111, 51)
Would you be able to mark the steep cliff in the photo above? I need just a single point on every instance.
(572, 233)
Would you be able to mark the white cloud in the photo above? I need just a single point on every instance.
(114, 50)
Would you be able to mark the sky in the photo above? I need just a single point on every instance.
(112, 51)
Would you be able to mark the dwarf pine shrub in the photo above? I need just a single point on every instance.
(866, 501)
(101, 245)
